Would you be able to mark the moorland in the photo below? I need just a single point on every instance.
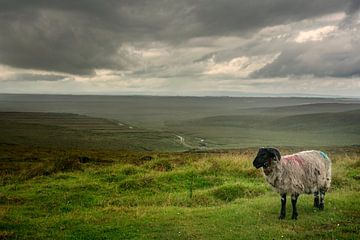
(145, 167)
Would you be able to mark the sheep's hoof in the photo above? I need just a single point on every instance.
(294, 216)
(321, 206)
(282, 216)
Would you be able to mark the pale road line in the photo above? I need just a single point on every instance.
(182, 141)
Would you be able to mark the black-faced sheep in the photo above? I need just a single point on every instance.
(304, 172)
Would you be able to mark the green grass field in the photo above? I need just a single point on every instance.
(97, 167)
(49, 194)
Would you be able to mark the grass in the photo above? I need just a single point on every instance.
(134, 195)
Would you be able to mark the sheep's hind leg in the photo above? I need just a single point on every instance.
(316, 199)
(322, 196)
(294, 198)
(283, 206)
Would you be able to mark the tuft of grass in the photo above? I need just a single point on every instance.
(38, 169)
(46, 168)
(161, 164)
(67, 163)
(230, 192)
(136, 183)
(129, 170)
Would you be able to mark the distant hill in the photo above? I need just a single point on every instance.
(307, 108)
(68, 120)
(315, 129)
(152, 112)
(79, 131)
(348, 121)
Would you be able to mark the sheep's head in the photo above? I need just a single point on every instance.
(265, 156)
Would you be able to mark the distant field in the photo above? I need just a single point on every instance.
(316, 129)
(178, 123)
(78, 131)
(155, 112)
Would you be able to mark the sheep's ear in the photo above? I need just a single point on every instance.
(276, 153)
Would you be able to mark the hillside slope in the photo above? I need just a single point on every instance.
(79, 131)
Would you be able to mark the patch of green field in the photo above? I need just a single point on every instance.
(131, 195)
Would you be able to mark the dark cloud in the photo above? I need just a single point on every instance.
(353, 7)
(47, 37)
(79, 36)
(351, 13)
(37, 77)
(314, 59)
(222, 17)
(335, 56)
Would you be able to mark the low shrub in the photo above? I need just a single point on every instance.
(62, 164)
(67, 163)
(131, 170)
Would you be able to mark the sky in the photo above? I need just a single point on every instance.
(187, 47)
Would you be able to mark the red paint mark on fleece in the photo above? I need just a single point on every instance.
(295, 158)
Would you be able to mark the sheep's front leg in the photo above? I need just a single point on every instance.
(322, 196)
(294, 198)
(316, 199)
(283, 206)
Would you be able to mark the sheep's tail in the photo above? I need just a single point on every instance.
(328, 169)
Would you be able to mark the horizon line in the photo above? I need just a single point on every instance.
(240, 95)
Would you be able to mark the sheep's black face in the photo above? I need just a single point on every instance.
(265, 156)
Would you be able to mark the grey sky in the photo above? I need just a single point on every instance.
(180, 47)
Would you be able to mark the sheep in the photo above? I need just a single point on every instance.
(303, 172)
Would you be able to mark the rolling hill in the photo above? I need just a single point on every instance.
(79, 131)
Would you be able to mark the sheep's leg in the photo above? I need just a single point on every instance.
(294, 198)
(283, 206)
(322, 196)
(316, 199)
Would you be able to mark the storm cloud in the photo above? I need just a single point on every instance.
(171, 43)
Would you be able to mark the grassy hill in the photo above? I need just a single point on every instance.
(317, 129)
(347, 122)
(116, 194)
(78, 131)
(307, 108)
